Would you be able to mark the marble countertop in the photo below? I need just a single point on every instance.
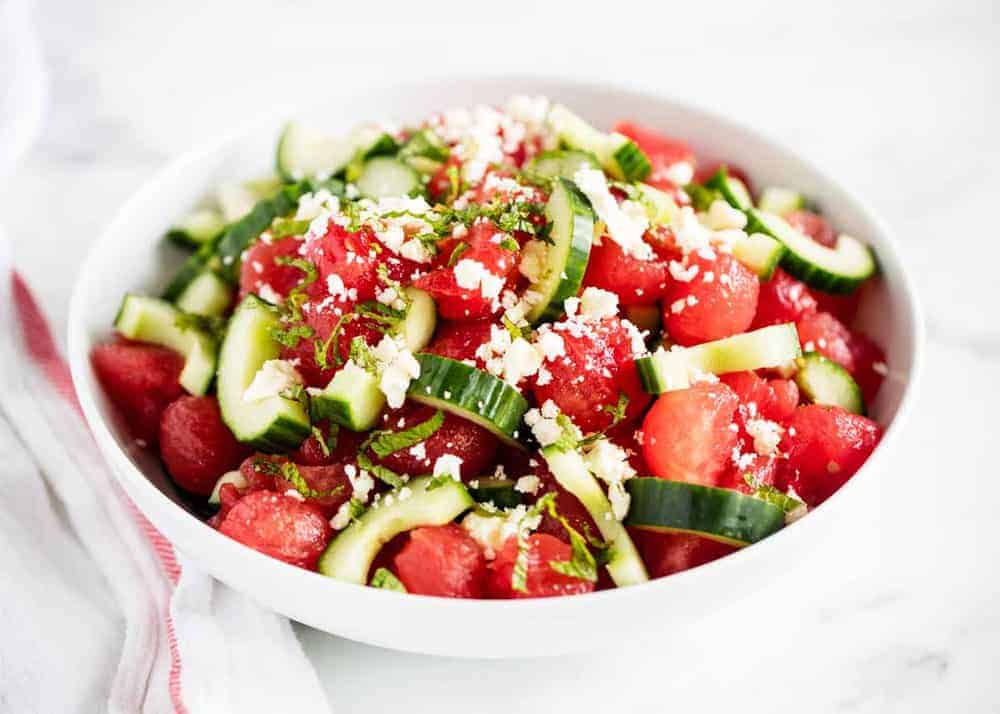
(898, 98)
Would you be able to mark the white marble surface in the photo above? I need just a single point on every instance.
(898, 98)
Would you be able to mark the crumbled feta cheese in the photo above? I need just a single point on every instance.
(419, 451)
(543, 423)
(266, 292)
(274, 377)
(626, 223)
(679, 174)
(519, 361)
(689, 233)
(471, 274)
(682, 274)
(528, 484)
(596, 304)
(361, 482)
(880, 368)
(448, 465)
(550, 343)
(766, 436)
(342, 518)
(397, 368)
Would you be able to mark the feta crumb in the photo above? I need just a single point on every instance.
(471, 274)
(292, 493)
(342, 518)
(448, 465)
(274, 377)
(626, 223)
(397, 368)
(722, 216)
(596, 304)
(528, 484)
(766, 436)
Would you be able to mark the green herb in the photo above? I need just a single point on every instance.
(510, 244)
(439, 481)
(519, 575)
(456, 253)
(321, 349)
(617, 412)
(570, 437)
(383, 578)
(291, 317)
(385, 317)
(454, 183)
(513, 329)
(284, 227)
(290, 336)
(389, 442)
(386, 475)
(290, 472)
(321, 440)
(361, 355)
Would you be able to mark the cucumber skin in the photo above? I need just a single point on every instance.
(502, 495)
(243, 232)
(632, 162)
(581, 242)
(472, 391)
(349, 555)
(851, 397)
(720, 514)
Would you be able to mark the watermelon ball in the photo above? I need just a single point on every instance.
(279, 525)
(441, 560)
(196, 446)
(541, 580)
(719, 301)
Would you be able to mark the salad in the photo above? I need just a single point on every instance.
(501, 353)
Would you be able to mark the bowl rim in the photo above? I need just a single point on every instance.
(160, 509)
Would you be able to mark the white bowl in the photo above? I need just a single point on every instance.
(131, 256)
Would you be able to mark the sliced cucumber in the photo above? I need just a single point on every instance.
(625, 566)
(470, 393)
(197, 228)
(193, 266)
(561, 163)
(498, 491)
(617, 154)
(780, 201)
(572, 220)
(660, 206)
(721, 514)
(352, 399)
(306, 153)
(823, 381)
(236, 200)
(349, 556)
(240, 235)
(730, 188)
(385, 176)
(833, 270)
(666, 370)
(759, 252)
(207, 295)
(418, 326)
(276, 423)
(148, 319)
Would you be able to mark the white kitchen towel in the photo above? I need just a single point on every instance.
(97, 611)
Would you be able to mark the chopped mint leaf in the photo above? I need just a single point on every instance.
(290, 336)
(456, 253)
(384, 579)
(382, 473)
(772, 495)
(284, 227)
(389, 442)
(290, 472)
(510, 244)
(213, 325)
(321, 440)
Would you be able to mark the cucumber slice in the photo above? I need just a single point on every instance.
(349, 556)
(237, 200)
(730, 188)
(823, 381)
(780, 201)
(561, 163)
(572, 219)
(273, 424)
(385, 176)
(759, 252)
(832, 270)
(660, 206)
(240, 235)
(207, 295)
(197, 228)
(498, 491)
(570, 470)
(352, 399)
(718, 513)
(156, 321)
(306, 153)
(420, 322)
(772, 346)
(471, 394)
(617, 154)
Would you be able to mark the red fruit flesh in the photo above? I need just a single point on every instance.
(280, 526)
(869, 365)
(541, 580)
(825, 447)
(140, 380)
(635, 282)
(597, 367)
(663, 151)
(783, 299)
(261, 268)
(441, 560)
(457, 436)
(822, 332)
(460, 340)
(668, 553)
(700, 311)
(196, 446)
(686, 435)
